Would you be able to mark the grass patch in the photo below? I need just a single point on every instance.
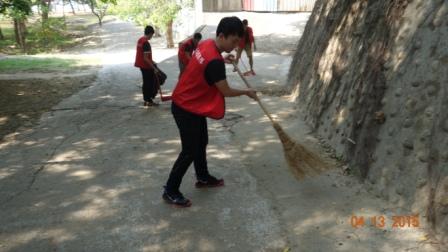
(59, 34)
(34, 64)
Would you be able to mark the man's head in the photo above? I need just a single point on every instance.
(245, 23)
(228, 33)
(149, 31)
(197, 37)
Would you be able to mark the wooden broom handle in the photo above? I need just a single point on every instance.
(249, 86)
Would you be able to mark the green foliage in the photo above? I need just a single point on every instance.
(114, 2)
(100, 4)
(35, 64)
(8, 32)
(135, 10)
(15, 8)
(55, 35)
(51, 34)
(99, 7)
(143, 12)
(164, 13)
(187, 3)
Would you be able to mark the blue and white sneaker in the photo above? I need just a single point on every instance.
(176, 199)
(209, 182)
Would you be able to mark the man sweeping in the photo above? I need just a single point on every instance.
(200, 94)
(245, 44)
(186, 49)
(143, 60)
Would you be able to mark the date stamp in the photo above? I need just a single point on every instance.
(381, 221)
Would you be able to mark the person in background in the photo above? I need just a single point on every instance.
(199, 94)
(186, 49)
(143, 60)
(246, 44)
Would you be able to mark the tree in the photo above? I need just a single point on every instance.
(71, 6)
(163, 15)
(45, 6)
(1, 33)
(159, 13)
(18, 10)
(99, 8)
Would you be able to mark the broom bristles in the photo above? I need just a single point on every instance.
(301, 161)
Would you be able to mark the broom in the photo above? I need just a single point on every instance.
(301, 161)
(162, 98)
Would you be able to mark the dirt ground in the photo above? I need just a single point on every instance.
(23, 101)
(25, 97)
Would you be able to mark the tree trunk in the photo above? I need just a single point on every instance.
(23, 28)
(71, 5)
(98, 15)
(20, 31)
(1, 34)
(100, 18)
(16, 31)
(169, 34)
(45, 8)
(63, 8)
(100, 21)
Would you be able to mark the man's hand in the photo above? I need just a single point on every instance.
(229, 59)
(252, 94)
(255, 47)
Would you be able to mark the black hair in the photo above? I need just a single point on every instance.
(149, 30)
(230, 26)
(197, 36)
(245, 22)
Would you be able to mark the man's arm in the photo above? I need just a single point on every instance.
(188, 52)
(187, 55)
(147, 55)
(227, 91)
(147, 59)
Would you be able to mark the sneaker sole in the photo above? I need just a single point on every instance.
(177, 205)
(209, 186)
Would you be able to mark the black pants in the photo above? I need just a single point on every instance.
(149, 88)
(194, 138)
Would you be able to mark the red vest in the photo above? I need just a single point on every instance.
(192, 92)
(248, 34)
(139, 61)
(181, 53)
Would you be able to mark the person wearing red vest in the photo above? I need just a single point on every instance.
(186, 49)
(143, 60)
(246, 44)
(199, 94)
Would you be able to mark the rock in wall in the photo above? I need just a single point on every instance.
(371, 77)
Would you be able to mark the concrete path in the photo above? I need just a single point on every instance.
(90, 176)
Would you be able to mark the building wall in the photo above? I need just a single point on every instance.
(258, 5)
